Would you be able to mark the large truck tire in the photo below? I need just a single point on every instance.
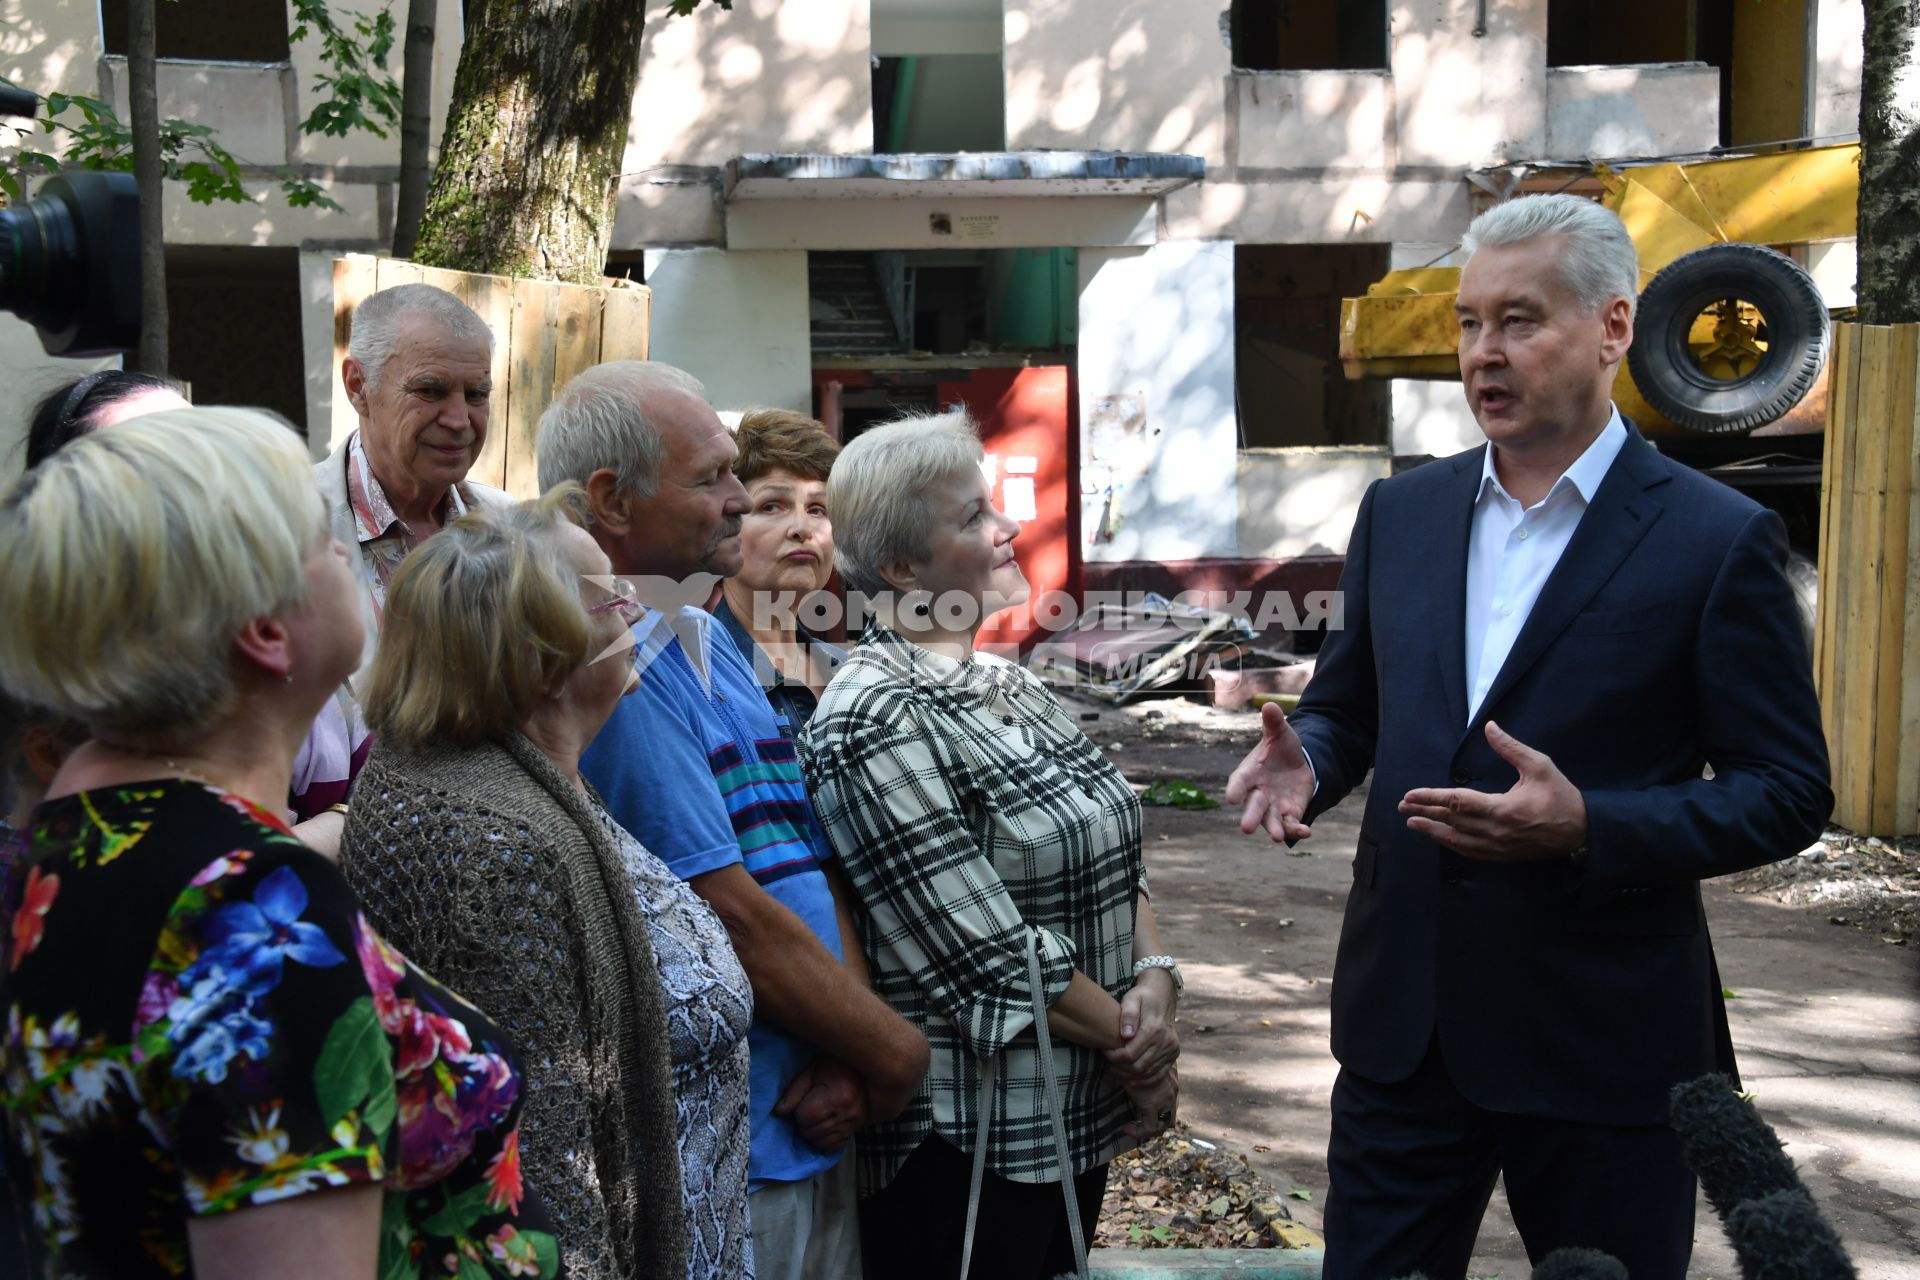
(1795, 323)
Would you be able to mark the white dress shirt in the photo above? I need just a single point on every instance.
(1512, 550)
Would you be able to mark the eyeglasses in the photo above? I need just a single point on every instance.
(625, 602)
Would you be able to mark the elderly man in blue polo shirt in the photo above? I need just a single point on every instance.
(695, 765)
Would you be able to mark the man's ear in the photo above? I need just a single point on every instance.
(266, 644)
(612, 510)
(354, 379)
(1616, 331)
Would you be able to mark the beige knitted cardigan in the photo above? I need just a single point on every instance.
(488, 868)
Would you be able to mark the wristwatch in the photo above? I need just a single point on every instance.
(1145, 963)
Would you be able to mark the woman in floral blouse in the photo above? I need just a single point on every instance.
(213, 1065)
(988, 842)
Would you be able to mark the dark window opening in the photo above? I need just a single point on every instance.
(1309, 35)
(205, 30)
(943, 301)
(234, 331)
(1291, 387)
(1583, 33)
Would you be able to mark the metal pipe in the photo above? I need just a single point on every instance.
(1480, 19)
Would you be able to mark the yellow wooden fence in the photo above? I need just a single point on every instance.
(1867, 647)
(543, 333)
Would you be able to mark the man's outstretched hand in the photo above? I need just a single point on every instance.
(1275, 782)
(1542, 816)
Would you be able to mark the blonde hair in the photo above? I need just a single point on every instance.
(879, 487)
(134, 555)
(481, 622)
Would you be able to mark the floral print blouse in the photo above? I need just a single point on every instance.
(199, 1020)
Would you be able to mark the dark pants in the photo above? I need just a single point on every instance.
(1410, 1167)
(915, 1229)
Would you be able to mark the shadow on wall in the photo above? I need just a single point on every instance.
(1144, 76)
(1156, 351)
(763, 77)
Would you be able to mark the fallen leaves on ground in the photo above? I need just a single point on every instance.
(1178, 1192)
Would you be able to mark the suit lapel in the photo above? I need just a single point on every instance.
(1621, 513)
(1452, 526)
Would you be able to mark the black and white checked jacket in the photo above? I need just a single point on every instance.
(968, 810)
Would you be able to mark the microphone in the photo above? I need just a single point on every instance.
(1727, 1144)
(1575, 1263)
(1776, 1230)
(1781, 1236)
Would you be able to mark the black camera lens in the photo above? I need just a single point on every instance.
(70, 263)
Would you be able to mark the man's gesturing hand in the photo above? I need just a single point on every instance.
(1274, 782)
(1543, 816)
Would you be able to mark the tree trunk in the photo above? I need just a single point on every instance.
(143, 119)
(416, 126)
(1889, 245)
(534, 138)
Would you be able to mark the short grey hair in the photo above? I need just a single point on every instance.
(879, 488)
(376, 323)
(602, 420)
(1599, 263)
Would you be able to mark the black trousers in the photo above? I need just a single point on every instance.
(915, 1229)
(1411, 1165)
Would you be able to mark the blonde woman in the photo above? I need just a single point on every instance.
(213, 1066)
(479, 847)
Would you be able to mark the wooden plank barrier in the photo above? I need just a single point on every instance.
(543, 333)
(1867, 644)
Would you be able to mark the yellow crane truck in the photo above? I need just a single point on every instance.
(1731, 333)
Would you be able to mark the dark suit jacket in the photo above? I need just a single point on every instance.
(1665, 641)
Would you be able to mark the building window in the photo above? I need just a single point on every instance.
(1309, 35)
(1288, 380)
(205, 30)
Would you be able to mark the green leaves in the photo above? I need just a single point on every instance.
(361, 93)
(1300, 1193)
(1176, 793)
(355, 1070)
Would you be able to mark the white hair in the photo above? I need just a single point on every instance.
(376, 323)
(134, 555)
(1599, 262)
(602, 420)
(878, 492)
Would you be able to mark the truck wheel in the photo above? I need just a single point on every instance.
(1769, 343)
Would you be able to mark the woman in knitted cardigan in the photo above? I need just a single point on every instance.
(478, 848)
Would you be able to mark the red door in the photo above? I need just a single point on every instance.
(1024, 417)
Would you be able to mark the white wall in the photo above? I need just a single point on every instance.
(736, 320)
(1839, 37)
(1156, 332)
(1618, 112)
(1300, 502)
(767, 75)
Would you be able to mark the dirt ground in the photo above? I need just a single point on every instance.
(1825, 1010)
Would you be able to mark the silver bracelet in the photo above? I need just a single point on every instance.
(1140, 966)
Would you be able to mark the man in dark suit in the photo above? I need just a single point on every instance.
(1576, 671)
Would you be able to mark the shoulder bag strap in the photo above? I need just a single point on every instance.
(1056, 1113)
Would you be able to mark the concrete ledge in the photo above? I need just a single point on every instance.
(1205, 1264)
